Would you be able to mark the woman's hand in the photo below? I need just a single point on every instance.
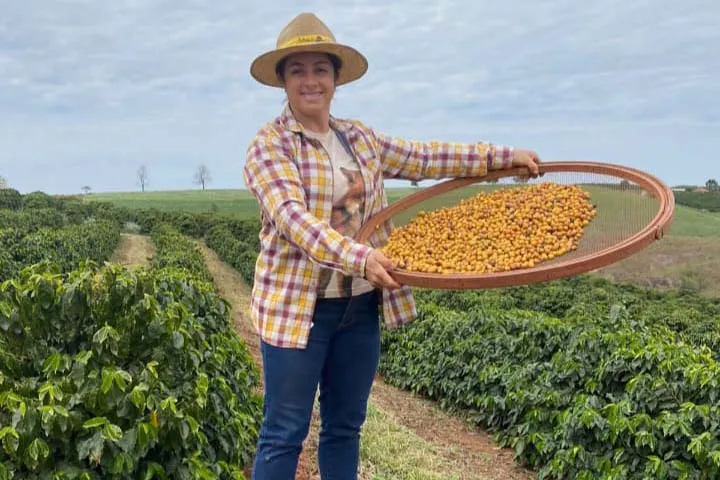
(526, 158)
(377, 266)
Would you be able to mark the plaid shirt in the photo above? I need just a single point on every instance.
(291, 177)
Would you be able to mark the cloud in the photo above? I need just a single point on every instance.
(87, 79)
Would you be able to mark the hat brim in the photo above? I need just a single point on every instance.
(354, 63)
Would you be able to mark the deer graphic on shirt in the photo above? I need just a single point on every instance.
(346, 218)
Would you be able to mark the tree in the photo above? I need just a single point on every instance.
(86, 189)
(3, 182)
(712, 185)
(142, 175)
(202, 176)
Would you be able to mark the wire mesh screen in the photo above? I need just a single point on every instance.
(621, 209)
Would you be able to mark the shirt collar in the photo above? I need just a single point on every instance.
(289, 120)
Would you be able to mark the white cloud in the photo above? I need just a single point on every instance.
(86, 79)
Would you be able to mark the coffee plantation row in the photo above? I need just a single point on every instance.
(709, 201)
(112, 373)
(584, 378)
(586, 396)
(44, 235)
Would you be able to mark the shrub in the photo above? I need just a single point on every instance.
(237, 253)
(10, 199)
(110, 374)
(584, 397)
(39, 200)
(176, 250)
(66, 247)
(31, 220)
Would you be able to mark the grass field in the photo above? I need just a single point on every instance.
(240, 203)
(236, 202)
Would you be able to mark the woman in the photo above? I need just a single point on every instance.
(318, 294)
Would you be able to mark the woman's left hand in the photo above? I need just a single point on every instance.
(526, 158)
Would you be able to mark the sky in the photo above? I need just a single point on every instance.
(90, 90)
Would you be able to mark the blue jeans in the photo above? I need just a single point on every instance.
(341, 356)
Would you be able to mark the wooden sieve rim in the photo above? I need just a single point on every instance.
(651, 232)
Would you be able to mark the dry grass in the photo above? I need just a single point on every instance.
(133, 250)
(673, 262)
(391, 450)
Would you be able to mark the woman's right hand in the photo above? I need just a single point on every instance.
(377, 266)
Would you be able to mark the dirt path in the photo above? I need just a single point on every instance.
(458, 442)
(133, 250)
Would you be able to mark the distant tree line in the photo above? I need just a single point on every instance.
(201, 177)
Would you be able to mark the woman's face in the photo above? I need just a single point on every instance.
(309, 83)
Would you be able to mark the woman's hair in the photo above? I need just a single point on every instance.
(336, 63)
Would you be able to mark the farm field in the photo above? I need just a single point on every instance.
(689, 255)
(241, 204)
(578, 378)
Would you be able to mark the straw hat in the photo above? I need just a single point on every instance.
(307, 33)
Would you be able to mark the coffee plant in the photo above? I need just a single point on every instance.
(65, 247)
(176, 250)
(10, 199)
(109, 374)
(582, 397)
(695, 318)
(237, 252)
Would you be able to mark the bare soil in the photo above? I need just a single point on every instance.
(133, 250)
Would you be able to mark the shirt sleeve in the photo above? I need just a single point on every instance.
(273, 178)
(415, 160)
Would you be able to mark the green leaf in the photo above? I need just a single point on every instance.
(60, 410)
(49, 389)
(169, 404)
(146, 434)
(137, 396)
(10, 439)
(122, 462)
(8, 431)
(96, 422)
(5, 309)
(122, 378)
(154, 470)
(102, 334)
(83, 357)
(697, 444)
(715, 457)
(112, 432)
(193, 424)
(151, 366)
(107, 380)
(52, 363)
(37, 450)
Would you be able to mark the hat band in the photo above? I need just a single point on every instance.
(304, 39)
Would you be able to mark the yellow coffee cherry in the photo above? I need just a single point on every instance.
(507, 229)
